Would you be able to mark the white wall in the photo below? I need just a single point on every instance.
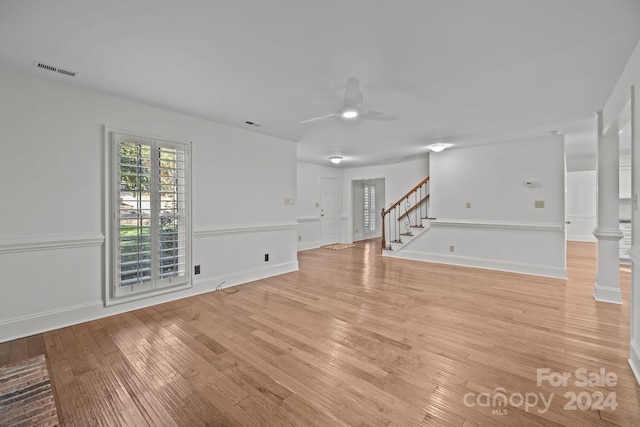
(51, 219)
(587, 162)
(399, 177)
(502, 229)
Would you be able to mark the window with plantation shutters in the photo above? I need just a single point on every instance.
(369, 208)
(151, 235)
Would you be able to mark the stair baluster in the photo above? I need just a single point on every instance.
(413, 214)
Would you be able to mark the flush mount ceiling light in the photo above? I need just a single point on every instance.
(437, 147)
(335, 159)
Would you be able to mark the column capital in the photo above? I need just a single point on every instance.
(607, 233)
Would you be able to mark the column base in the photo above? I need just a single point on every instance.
(634, 360)
(607, 294)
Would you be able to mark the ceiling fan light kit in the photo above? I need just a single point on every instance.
(437, 147)
(352, 107)
(349, 113)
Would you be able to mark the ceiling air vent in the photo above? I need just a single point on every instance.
(54, 69)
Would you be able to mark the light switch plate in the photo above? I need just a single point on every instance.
(288, 201)
(468, 204)
(539, 204)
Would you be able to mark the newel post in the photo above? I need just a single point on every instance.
(384, 242)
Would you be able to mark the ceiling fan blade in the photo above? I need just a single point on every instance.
(352, 93)
(313, 119)
(378, 116)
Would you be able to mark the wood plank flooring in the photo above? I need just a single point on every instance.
(351, 339)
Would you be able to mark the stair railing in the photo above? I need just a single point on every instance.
(412, 208)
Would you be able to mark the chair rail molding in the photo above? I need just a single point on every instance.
(533, 226)
(49, 242)
(210, 231)
(309, 219)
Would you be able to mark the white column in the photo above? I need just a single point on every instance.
(634, 356)
(607, 287)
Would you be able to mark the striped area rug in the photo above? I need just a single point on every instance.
(338, 246)
(26, 397)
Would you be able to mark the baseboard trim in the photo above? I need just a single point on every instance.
(634, 359)
(210, 283)
(361, 237)
(307, 246)
(582, 238)
(607, 294)
(24, 326)
(485, 263)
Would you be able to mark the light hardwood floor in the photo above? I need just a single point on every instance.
(351, 339)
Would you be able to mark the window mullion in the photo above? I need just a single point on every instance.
(115, 239)
(155, 216)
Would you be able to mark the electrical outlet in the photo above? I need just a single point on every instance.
(288, 201)
(539, 204)
(451, 248)
(468, 204)
(196, 269)
(266, 257)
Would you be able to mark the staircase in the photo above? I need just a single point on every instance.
(406, 219)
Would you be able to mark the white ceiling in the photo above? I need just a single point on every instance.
(465, 71)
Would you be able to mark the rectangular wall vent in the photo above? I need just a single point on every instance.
(67, 72)
(54, 69)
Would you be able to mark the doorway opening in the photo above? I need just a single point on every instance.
(368, 199)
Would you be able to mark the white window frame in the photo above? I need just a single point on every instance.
(113, 293)
(369, 208)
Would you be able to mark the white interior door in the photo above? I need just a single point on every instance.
(330, 211)
(581, 205)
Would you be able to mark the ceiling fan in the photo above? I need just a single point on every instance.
(352, 108)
